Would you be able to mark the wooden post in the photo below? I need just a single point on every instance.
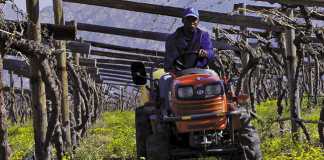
(247, 83)
(4, 147)
(59, 19)
(76, 58)
(310, 82)
(22, 118)
(21, 90)
(77, 113)
(12, 106)
(37, 86)
(293, 85)
(121, 98)
(244, 56)
(317, 80)
(11, 80)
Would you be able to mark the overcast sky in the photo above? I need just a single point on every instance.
(42, 3)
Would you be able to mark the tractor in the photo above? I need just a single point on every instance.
(199, 117)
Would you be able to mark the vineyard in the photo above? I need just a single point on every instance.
(79, 98)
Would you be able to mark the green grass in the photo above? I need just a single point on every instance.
(112, 137)
(281, 147)
(21, 140)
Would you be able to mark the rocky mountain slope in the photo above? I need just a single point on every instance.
(132, 20)
(135, 20)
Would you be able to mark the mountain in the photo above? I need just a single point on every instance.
(132, 20)
(11, 11)
(135, 20)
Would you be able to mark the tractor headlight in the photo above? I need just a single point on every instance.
(185, 92)
(213, 90)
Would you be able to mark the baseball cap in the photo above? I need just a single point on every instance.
(191, 12)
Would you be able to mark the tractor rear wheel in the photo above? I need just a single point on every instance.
(249, 140)
(157, 147)
(143, 130)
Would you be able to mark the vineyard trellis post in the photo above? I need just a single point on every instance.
(4, 147)
(292, 75)
(248, 82)
(12, 106)
(22, 118)
(317, 80)
(77, 103)
(37, 86)
(76, 58)
(59, 19)
(121, 98)
(310, 81)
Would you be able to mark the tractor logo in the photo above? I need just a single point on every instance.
(200, 92)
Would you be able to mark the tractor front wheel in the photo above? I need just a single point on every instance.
(157, 147)
(143, 130)
(249, 140)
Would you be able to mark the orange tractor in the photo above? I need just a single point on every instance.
(198, 117)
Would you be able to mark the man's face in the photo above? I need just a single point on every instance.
(190, 23)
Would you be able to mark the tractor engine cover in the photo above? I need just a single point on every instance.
(198, 94)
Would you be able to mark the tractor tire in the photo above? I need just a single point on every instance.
(157, 147)
(143, 130)
(249, 140)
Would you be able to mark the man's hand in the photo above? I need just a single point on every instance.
(202, 53)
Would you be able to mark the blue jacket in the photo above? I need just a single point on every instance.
(177, 44)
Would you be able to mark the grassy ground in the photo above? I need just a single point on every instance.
(113, 137)
(280, 147)
(21, 140)
(274, 146)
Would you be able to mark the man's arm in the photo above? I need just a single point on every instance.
(207, 45)
(167, 56)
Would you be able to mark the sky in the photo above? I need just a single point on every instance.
(45, 3)
(42, 3)
(22, 5)
(225, 7)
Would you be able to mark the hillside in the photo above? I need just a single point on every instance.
(136, 20)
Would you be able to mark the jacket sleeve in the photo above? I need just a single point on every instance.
(207, 45)
(168, 55)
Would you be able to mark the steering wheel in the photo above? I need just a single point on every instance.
(188, 60)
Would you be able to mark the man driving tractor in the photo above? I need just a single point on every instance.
(191, 113)
(188, 38)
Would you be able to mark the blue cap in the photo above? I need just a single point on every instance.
(191, 12)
